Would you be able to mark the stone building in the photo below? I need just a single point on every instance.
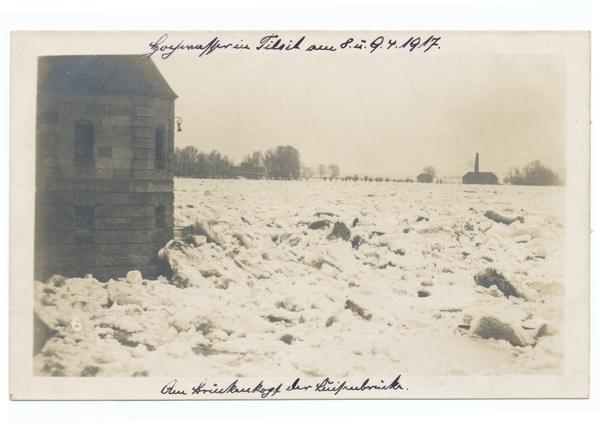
(479, 177)
(104, 166)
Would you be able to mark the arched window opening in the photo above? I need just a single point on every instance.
(160, 148)
(84, 144)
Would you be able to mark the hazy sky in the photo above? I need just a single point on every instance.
(375, 114)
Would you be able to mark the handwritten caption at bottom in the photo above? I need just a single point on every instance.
(263, 390)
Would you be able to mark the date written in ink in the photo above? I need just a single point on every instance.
(380, 43)
(278, 45)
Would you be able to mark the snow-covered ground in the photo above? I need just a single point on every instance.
(275, 294)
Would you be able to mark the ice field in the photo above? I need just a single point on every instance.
(336, 278)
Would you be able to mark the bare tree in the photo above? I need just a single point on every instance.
(533, 173)
(256, 158)
(321, 170)
(306, 171)
(430, 170)
(185, 161)
(282, 163)
(334, 170)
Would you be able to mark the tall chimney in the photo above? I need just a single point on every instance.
(476, 163)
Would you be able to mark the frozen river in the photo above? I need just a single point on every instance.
(269, 285)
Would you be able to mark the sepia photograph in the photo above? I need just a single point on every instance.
(288, 214)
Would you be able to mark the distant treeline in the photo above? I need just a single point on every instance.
(283, 163)
(190, 162)
(533, 173)
(280, 163)
(376, 179)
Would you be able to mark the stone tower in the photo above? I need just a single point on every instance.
(104, 166)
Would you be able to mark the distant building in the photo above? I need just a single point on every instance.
(425, 178)
(104, 166)
(251, 171)
(479, 177)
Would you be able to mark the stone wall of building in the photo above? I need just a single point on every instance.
(113, 216)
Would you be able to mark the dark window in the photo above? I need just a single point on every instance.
(159, 215)
(84, 217)
(84, 144)
(160, 148)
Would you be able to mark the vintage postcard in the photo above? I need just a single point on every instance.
(299, 215)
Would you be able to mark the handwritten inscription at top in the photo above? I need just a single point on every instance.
(274, 42)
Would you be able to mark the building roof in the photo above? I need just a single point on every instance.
(480, 174)
(107, 74)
